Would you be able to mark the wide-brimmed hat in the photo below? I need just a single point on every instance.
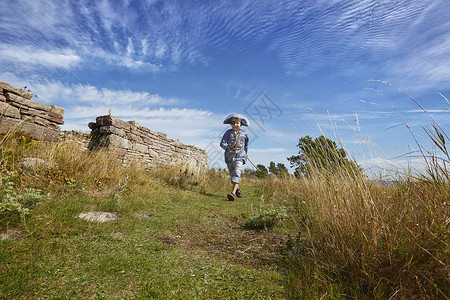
(244, 120)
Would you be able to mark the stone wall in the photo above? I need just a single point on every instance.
(19, 112)
(140, 143)
(41, 122)
(81, 139)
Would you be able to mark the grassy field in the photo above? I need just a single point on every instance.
(334, 235)
(167, 243)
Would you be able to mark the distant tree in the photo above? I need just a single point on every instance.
(273, 169)
(278, 169)
(282, 170)
(319, 155)
(261, 172)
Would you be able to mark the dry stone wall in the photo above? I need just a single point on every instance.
(140, 143)
(81, 139)
(19, 112)
(42, 122)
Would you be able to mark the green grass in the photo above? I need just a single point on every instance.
(329, 238)
(190, 247)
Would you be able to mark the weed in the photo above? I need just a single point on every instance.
(14, 203)
(13, 147)
(265, 217)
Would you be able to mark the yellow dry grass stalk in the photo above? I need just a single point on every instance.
(69, 162)
(380, 237)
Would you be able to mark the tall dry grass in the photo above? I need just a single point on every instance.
(208, 182)
(360, 238)
(371, 240)
(58, 166)
(66, 165)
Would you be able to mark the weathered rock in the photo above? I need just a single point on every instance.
(111, 130)
(21, 102)
(37, 132)
(178, 144)
(9, 111)
(53, 126)
(59, 111)
(11, 234)
(140, 148)
(18, 112)
(55, 118)
(112, 140)
(98, 216)
(153, 153)
(27, 112)
(135, 124)
(93, 125)
(41, 121)
(29, 164)
(15, 90)
(110, 120)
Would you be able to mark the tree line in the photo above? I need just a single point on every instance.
(314, 156)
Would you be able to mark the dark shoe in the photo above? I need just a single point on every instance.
(230, 196)
(238, 193)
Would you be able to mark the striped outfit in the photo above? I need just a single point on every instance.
(236, 154)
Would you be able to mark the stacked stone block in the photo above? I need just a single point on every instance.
(19, 112)
(142, 144)
(79, 138)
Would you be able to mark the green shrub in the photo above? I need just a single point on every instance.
(265, 218)
(13, 147)
(13, 203)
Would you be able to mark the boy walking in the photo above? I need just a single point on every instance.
(235, 144)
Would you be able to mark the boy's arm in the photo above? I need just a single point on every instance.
(246, 145)
(223, 142)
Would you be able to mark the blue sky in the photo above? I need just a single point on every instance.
(295, 68)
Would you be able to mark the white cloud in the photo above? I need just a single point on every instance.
(130, 48)
(394, 169)
(74, 95)
(144, 45)
(171, 35)
(424, 67)
(64, 58)
(138, 112)
(103, 30)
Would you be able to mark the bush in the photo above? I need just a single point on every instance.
(13, 204)
(13, 147)
(265, 218)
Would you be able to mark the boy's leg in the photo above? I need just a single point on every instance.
(235, 187)
(235, 173)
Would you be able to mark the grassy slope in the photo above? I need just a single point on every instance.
(189, 246)
(343, 236)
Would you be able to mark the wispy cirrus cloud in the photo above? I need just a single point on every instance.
(56, 92)
(62, 58)
(424, 67)
(144, 36)
(159, 35)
